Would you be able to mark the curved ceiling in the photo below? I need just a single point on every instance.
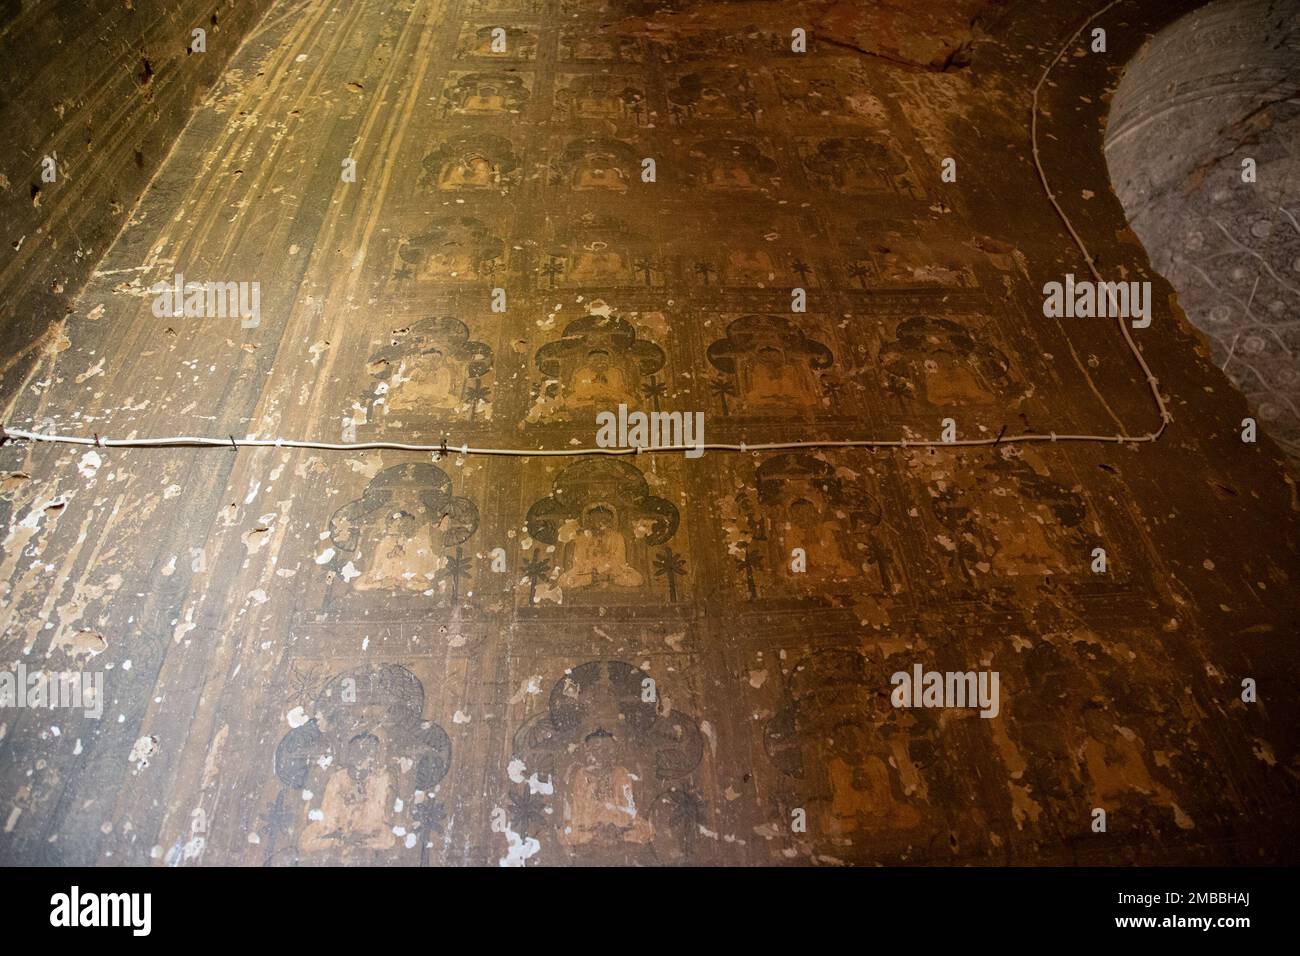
(1220, 86)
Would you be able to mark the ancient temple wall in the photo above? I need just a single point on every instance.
(101, 88)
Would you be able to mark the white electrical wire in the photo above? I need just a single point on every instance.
(447, 448)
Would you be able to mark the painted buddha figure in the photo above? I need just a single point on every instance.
(815, 529)
(354, 807)
(750, 266)
(598, 381)
(425, 381)
(597, 261)
(468, 172)
(951, 380)
(600, 170)
(402, 555)
(446, 259)
(484, 98)
(603, 802)
(773, 382)
(597, 97)
(599, 553)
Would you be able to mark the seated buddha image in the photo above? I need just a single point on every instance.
(1029, 517)
(603, 523)
(915, 263)
(402, 554)
(732, 164)
(711, 102)
(600, 171)
(775, 364)
(598, 97)
(583, 46)
(599, 362)
(596, 261)
(596, 163)
(468, 172)
(816, 95)
(827, 740)
(703, 96)
(362, 757)
(447, 261)
(863, 790)
(424, 368)
(458, 249)
(951, 381)
(770, 379)
(939, 361)
(470, 162)
(733, 176)
(484, 98)
(1024, 545)
(750, 267)
(616, 760)
(354, 809)
(598, 381)
(392, 538)
(598, 553)
(815, 528)
(604, 787)
(857, 165)
(424, 381)
(486, 93)
(859, 173)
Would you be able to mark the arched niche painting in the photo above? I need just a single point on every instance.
(485, 93)
(830, 94)
(711, 94)
(477, 42)
(431, 369)
(1011, 519)
(362, 768)
(843, 751)
(601, 96)
(797, 500)
(596, 163)
(732, 165)
(907, 255)
(404, 535)
(856, 164)
(476, 162)
(601, 534)
(946, 365)
(771, 368)
(595, 250)
(606, 771)
(452, 249)
(598, 363)
(582, 45)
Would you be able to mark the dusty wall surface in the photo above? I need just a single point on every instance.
(394, 658)
(104, 87)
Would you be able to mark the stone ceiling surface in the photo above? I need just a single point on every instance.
(1219, 88)
(398, 658)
